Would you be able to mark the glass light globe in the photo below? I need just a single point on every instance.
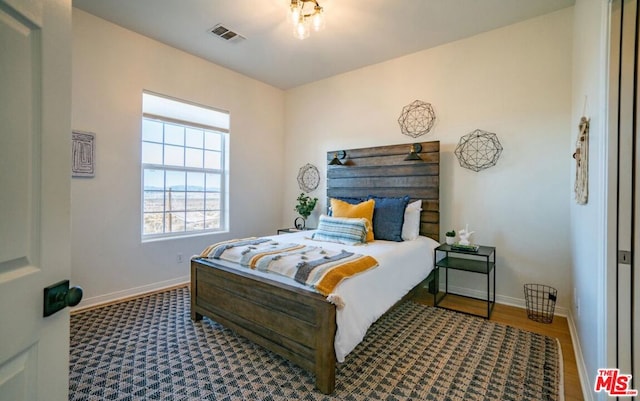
(301, 29)
(295, 12)
(318, 19)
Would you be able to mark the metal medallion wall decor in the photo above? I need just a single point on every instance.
(581, 187)
(308, 177)
(478, 150)
(417, 118)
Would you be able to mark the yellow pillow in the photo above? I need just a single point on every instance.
(361, 210)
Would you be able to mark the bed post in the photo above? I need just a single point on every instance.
(325, 366)
(194, 315)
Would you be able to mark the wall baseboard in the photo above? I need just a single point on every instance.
(582, 367)
(125, 295)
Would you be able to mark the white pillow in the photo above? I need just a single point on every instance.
(411, 225)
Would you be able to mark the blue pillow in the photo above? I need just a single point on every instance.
(352, 200)
(388, 217)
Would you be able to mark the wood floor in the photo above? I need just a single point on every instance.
(517, 317)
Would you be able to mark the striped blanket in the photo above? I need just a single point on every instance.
(315, 267)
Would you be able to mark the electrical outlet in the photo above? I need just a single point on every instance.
(179, 258)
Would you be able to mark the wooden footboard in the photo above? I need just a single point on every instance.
(297, 324)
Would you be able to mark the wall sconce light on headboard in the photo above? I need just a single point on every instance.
(413, 154)
(337, 156)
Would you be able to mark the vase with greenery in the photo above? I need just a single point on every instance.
(304, 207)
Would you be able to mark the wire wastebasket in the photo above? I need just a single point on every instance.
(541, 302)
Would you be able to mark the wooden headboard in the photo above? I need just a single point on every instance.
(382, 171)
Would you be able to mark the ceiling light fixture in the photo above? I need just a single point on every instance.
(306, 15)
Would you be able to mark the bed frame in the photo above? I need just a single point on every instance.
(298, 324)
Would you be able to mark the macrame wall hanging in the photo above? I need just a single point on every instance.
(417, 118)
(478, 150)
(581, 156)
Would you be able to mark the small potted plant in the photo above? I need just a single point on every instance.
(450, 237)
(305, 206)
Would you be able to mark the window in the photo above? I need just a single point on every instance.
(184, 168)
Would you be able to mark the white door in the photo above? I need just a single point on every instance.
(634, 298)
(35, 131)
(625, 112)
(625, 192)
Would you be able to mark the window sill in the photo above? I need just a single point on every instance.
(171, 237)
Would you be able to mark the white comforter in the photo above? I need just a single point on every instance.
(402, 265)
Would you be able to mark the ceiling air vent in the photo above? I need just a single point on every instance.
(225, 33)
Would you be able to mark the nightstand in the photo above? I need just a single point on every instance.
(292, 230)
(483, 261)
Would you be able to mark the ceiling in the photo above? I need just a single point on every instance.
(357, 32)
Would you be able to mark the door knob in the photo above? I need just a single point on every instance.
(73, 296)
(58, 296)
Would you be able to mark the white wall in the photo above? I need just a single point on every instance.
(111, 68)
(588, 224)
(515, 82)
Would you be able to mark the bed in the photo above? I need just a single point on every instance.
(300, 324)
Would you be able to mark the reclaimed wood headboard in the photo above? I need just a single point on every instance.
(382, 171)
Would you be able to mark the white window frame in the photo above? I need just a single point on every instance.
(221, 172)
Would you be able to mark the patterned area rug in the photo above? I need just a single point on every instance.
(149, 349)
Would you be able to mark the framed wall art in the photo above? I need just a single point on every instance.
(82, 154)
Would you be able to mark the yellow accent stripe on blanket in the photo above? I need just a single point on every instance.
(318, 268)
(335, 276)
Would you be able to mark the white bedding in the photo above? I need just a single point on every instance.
(402, 265)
